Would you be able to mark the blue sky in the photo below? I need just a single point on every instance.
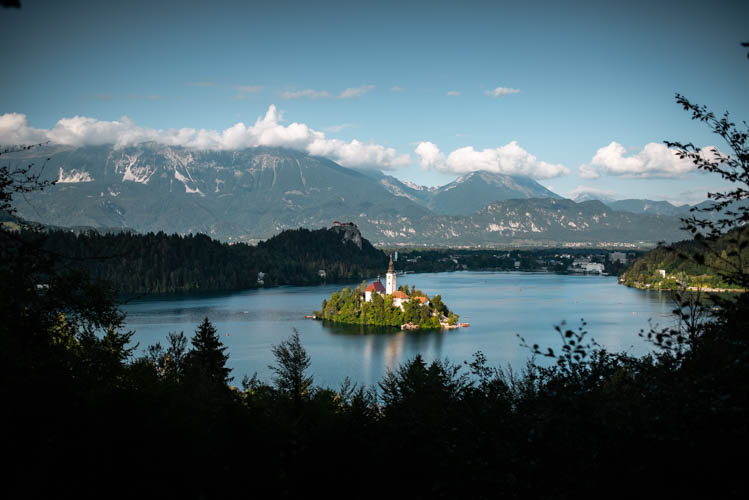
(426, 91)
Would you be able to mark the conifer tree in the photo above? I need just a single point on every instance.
(207, 359)
(292, 362)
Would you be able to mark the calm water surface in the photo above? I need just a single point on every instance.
(497, 305)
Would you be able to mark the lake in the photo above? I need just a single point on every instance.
(497, 305)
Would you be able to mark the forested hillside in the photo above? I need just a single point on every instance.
(161, 263)
(692, 263)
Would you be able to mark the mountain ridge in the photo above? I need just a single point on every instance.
(252, 194)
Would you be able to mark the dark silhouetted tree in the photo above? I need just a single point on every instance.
(207, 359)
(292, 361)
(170, 362)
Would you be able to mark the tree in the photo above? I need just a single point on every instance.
(207, 359)
(420, 399)
(729, 209)
(170, 363)
(292, 361)
(61, 354)
(439, 305)
(721, 235)
(19, 179)
(37, 294)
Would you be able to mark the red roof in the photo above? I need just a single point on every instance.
(376, 286)
(399, 295)
(421, 299)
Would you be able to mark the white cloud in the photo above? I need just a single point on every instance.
(358, 154)
(501, 92)
(312, 94)
(654, 160)
(430, 156)
(453, 93)
(588, 172)
(14, 129)
(587, 192)
(338, 128)
(508, 159)
(348, 93)
(355, 92)
(266, 131)
(397, 89)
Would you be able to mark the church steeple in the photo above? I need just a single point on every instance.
(390, 285)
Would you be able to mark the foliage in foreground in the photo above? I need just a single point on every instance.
(466, 430)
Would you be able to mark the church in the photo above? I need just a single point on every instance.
(377, 287)
(390, 288)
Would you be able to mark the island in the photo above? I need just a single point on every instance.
(389, 306)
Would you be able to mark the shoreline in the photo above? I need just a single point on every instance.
(128, 297)
(640, 286)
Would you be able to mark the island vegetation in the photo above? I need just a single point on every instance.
(349, 306)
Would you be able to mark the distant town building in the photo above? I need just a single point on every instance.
(593, 267)
(618, 257)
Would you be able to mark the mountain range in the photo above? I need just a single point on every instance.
(649, 207)
(254, 193)
(466, 194)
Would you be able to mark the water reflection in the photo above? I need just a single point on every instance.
(497, 305)
(389, 345)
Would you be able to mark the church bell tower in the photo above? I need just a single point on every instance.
(390, 285)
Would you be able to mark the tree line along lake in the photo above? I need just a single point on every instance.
(498, 306)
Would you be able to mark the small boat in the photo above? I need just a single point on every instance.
(465, 325)
(310, 316)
